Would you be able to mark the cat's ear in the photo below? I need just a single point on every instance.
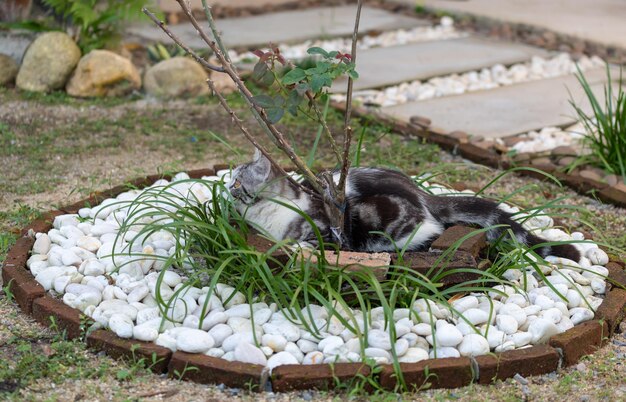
(262, 165)
(257, 155)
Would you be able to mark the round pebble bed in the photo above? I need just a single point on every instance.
(444, 30)
(487, 78)
(74, 262)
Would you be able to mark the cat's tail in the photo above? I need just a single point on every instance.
(479, 211)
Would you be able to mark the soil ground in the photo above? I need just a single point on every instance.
(55, 150)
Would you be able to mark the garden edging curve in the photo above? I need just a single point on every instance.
(561, 350)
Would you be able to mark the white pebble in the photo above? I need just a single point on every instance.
(194, 341)
(474, 345)
(247, 353)
(281, 359)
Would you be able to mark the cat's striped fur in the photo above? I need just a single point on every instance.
(378, 201)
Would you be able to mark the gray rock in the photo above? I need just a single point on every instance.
(14, 43)
(103, 73)
(176, 77)
(48, 62)
(8, 69)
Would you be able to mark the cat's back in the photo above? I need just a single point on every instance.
(369, 181)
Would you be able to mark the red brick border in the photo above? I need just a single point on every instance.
(539, 359)
(53, 313)
(451, 372)
(157, 358)
(563, 349)
(583, 339)
(212, 370)
(319, 376)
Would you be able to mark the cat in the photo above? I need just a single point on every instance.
(378, 200)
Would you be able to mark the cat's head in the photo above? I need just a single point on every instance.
(252, 181)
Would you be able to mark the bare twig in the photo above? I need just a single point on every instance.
(216, 35)
(279, 138)
(347, 139)
(180, 43)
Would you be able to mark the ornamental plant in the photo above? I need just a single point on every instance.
(296, 90)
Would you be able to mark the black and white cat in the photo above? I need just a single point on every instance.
(378, 201)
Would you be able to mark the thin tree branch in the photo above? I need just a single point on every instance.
(180, 43)
(347, 139)
(280, 141)
(216, 35)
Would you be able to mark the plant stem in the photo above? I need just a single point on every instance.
(279, 138)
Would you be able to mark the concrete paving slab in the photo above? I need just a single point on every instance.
(386, 66)
(286, 26)
(170, 6)
(601, 21)
(505, 111)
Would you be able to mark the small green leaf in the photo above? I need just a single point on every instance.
(353, 74)
(317, 50)
(294, 98)
(294, 76)
(264, 101)
(260, 69)
(317, 82)
(333, 54)
(274, 114)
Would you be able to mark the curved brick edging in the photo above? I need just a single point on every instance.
(562, 350)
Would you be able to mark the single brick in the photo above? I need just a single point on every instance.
(220, 166)
(156, 358)
(351, 261)
(613, 195)
(583, 339)
(279, 257)
(539, 359)
(22, 286)
(319, 376)
(18, 254)
(200, 173)
(53, 312)
(452, 235)
(432, 373)
(479, 155)
(613, 308)
(616, 273)
(212, 370)
(42, 225)
(430, 265)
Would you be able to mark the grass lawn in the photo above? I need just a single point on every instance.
(55, 150)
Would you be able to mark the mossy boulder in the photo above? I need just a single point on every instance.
(176, 77)
(48, 62)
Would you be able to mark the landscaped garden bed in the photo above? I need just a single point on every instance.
(573, 342)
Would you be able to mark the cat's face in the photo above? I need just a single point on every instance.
(250, 181)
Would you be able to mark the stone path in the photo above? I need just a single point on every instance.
(504, 111)
(601, 21)
(423, 60)
(285, 27)
(495, 113)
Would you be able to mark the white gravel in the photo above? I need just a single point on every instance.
(73, 260)
(487, 78)
(549, 138)
(444, 30)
